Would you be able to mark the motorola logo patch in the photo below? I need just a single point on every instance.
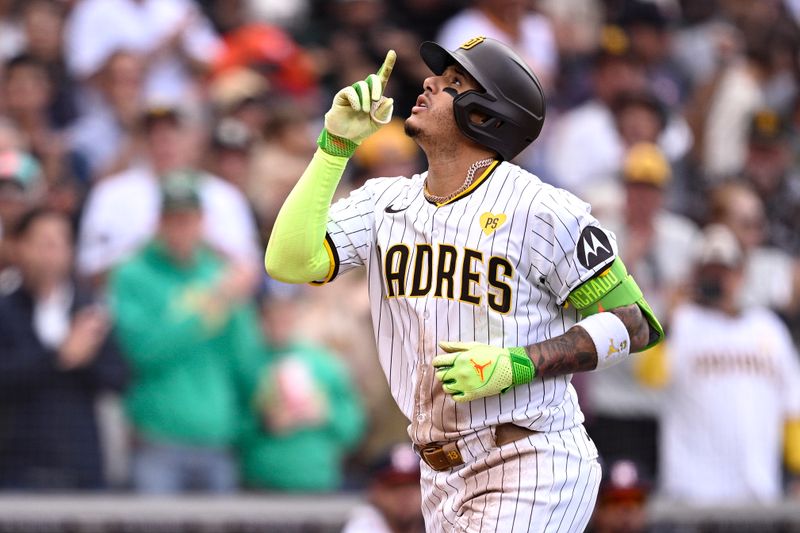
(594, 247)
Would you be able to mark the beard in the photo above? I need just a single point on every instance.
(438, 132)
(411, 131)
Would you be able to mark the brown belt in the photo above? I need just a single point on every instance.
(446, 456)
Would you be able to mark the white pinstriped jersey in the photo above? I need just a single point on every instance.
(734, 381)
(494, 265)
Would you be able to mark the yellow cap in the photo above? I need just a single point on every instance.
(767, 127)
(614, 40)
(645, 163)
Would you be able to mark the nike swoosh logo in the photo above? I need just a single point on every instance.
(390, 209)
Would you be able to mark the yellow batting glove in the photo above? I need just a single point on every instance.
(471, 370)
(358, 111)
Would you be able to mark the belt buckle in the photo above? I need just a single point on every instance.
(434, 457)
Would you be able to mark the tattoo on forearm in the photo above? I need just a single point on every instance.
(635, 323)
(574, 351)
(571, 352)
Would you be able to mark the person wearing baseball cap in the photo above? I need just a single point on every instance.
(585, 146)
(716, 255)
(732, 390)
(488, 288)
(21, 173)
(622, 500)
(180, 227)
(652, 234)
(21, 186)
(122, 211)
(20, 183)
(770, 169)
(182, 318)
(393, 495)
(20, 169)
(232, 147)
(156, 112)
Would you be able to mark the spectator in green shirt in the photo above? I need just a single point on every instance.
(183, 323)
(304, 413)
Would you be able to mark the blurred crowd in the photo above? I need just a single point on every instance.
(146, 146)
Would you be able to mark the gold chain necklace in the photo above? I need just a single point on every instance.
(473, 168)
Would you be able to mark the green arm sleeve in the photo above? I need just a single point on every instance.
(296, 252)
(615, 288)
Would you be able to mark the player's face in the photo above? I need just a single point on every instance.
(432, 118)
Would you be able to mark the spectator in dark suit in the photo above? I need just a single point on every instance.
(56, 356)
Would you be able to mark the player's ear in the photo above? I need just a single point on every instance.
(476, 117)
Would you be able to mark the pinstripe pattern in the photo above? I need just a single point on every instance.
(545, 483)
(535, 244)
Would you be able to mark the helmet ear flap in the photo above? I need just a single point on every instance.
(471, 104)
(488, 131)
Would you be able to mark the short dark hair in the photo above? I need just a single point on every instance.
(30, 217)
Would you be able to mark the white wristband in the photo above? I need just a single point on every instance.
(610, 336)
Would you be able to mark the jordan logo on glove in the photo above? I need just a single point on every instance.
(479, 368)
(466, 379)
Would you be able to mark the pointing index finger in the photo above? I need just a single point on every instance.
(386, 69)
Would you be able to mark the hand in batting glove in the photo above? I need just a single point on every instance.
(471, 370)
(357, 112)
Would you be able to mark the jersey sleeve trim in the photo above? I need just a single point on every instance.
(563, 297)
(333, 255)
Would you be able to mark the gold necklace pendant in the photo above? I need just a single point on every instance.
(473, 168)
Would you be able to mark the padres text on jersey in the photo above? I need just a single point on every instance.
(495, 266)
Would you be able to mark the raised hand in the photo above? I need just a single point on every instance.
(358, 111)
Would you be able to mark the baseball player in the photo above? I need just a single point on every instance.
(733, 386)
(478, 273)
